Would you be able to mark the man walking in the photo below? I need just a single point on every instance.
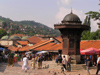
(98, 64)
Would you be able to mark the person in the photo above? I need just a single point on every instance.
(98, 64)
(58, 59)
(6, 57)
(87, 64)
(69, 63)
(91, 60)
(10, 58)
(30, 56)
(64, 63)
(15, 58)
(38, 59)
(25, 66)
(41, 58)
(33, 62)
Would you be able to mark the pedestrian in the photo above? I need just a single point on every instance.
(41, 59)
(29, 56)
(69, 63)
(10, 58)
(15, 58)
(6, 58)
(33, 62)
(64, 62)
(38, 59)
(87, 65)
(25, 65)
(60, 59)
(98, 64)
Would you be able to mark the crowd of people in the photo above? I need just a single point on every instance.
(12, 58)
(35, 59)
(90, 62)
(65, 63)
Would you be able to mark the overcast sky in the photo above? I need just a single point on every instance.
(48, 12)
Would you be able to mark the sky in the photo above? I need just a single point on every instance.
(48, 12)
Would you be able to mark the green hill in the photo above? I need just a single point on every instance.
(27, 27)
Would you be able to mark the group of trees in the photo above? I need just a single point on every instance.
(87, 35)
(30, 28)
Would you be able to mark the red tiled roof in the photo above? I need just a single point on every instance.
(34, 39)
(59, 39)
(49, 46)
(95, 44)
(12, 48)
(56, 47)
(16, 44)
(45, 46)
(23, 42)
(86, 44)
(41, 43)
(25, 48)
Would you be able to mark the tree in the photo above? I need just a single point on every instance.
(4, 24)
(2, 32)
(94, 15)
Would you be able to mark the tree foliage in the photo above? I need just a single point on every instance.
(86, 35)
(2, 32)
(27, 27)
(94, 15)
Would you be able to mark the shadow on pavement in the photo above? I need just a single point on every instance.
(17, 65)
(3, 66)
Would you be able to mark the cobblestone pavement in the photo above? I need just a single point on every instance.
(53, 67)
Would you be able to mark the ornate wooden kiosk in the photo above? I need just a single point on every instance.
(71, 29)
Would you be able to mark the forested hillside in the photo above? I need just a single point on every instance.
(27, 27)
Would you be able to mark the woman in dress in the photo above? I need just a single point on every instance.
(10, 58)
(25, 66)
(33, 62)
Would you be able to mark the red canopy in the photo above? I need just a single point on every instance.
(90, 51)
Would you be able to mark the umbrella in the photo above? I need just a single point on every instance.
(2, 49)
(40, 52)
(28, 52)
(90, 51)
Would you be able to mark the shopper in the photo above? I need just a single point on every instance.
(98, 64)
(25, 65)
(64, 62)
(87, 65)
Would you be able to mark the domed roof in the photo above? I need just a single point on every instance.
(71, 18)
(5, 37)
(25, 38)
(14, 38)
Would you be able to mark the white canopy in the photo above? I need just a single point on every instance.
(40, 52)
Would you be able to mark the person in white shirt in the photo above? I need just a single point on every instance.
(98, 64)
(6, 58)
(25, 66)
(64, 62)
